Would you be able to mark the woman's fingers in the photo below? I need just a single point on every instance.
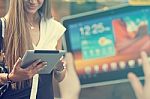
(137, 86)
(40, 66)
(33, 65)
(36, 66)
(18, 63)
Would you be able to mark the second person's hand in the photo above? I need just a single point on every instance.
(70, 86)
(142, 92)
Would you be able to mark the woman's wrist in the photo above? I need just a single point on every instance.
(9, 78)
(3, 78)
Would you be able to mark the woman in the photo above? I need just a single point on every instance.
(29, 25)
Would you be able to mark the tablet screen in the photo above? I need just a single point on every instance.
(106, 45)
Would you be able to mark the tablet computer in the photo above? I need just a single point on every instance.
(52, 57)
(106, 45)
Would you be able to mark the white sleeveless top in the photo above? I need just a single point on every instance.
(50, 33)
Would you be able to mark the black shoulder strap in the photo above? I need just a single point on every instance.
(1, 38)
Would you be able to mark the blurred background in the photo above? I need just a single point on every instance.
(61, 8)
(71, 7)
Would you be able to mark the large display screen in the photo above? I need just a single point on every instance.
(106, 45)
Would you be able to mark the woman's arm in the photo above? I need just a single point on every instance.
(59, 44)
(19, 74)
(60, 70)
(58, 73)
